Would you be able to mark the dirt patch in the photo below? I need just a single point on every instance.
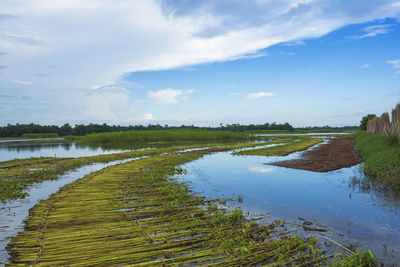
(336, 154)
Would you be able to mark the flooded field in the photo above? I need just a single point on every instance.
(332, 199)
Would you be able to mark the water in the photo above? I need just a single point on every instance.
(13, 213)
(329, 199)
(57, 149)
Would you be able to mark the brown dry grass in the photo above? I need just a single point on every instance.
(383, 125)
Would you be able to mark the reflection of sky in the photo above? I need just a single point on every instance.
(61, 150)
(324, 198)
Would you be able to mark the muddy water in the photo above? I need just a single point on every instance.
(57, 149)
(13, 213)
(367, 220)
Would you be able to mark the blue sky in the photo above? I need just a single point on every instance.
(305, 62)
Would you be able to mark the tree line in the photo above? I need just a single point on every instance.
(18, 130)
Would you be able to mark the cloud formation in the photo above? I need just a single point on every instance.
(374, 30)
(169, 96)
(22, 82)
(365, 66)
(94, 42)
(395, 65)
(258, 95)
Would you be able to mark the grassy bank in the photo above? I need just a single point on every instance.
(40, 135)
(132, 137)
(381, 156)
(284, 147)
(134, 213)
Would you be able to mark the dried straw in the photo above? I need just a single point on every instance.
(383, 125)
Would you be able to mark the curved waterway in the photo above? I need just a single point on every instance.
(13, 213)
(332, 199)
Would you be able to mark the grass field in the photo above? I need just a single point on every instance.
(133, 137)
(381, 155)
(40, 135)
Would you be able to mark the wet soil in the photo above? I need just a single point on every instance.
(336, 154)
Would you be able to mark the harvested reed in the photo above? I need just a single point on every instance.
(383, 125)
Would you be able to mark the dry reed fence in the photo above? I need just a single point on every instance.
(383, 125)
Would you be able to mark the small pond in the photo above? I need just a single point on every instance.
(331, 199)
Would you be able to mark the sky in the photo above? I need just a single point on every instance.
(200, 62)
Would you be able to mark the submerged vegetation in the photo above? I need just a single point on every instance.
(283, 147)
(135, 213)
(16, 175)
(381, 156)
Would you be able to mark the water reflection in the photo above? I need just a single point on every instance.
(327, 199)
(56, 149)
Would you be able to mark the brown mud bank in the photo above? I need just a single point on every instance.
(337, 153)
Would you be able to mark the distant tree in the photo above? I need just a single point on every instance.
(64, 130)
(364, 121)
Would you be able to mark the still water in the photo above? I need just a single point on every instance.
(330, 199)
(22, 150)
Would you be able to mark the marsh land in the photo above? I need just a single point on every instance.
(178, 197)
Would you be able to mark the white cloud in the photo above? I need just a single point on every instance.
(109, 104)
(395, 65)
(261, 169)
(258, 95)
(374, 30)
(169, 96)
(22, 82)
(148, 117)
(365, 66)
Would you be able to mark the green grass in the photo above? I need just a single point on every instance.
(135, 213)
(381, 155)
(285, 147)
(132, 137)
(40, 135)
